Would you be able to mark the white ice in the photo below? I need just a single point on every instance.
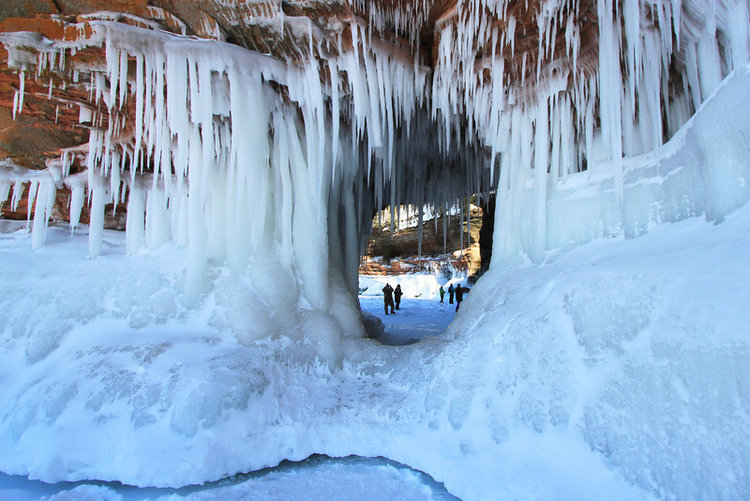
(551, 382)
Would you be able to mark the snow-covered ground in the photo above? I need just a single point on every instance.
(421, 315)
(616, 370)
(416, 319)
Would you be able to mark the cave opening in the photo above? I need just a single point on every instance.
(425, 251)
(430, 225)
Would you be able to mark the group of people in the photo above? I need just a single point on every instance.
(389, 293)
(392, 297)
(458, 292)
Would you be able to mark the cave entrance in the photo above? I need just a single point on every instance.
(425, 221)
(423, 249)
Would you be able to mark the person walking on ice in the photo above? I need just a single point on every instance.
(388, 298)
(442, 293)
(397, 294)
(459, 295)
(451, 290)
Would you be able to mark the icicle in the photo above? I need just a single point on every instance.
(738, 33)
(445, 229)
(541, 156)
(4, 192)
(139, 104)
(134, 225)
(709, 62)
(21, 92)
(76, 205)
(419, 230)
(18, 191)
(461, 226)
(96, 222)
(33, 188)
(610, 85)
(15, 104)
(42, 211)
(335, 113)
(632, 20)
(123, 75)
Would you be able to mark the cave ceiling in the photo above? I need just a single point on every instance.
(50, 121)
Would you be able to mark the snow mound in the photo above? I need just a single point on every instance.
(638, 348)
(615, 370)
(421, 285)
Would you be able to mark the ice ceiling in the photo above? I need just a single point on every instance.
(235, 128)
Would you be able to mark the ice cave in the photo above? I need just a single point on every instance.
(187, 188)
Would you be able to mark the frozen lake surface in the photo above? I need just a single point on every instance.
(417, 319)
(316, 478)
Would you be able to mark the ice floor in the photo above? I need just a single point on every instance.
(417, 319)
(316, 478)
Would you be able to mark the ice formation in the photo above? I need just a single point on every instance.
(252, 163)
(231, 164)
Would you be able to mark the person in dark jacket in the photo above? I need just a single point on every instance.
(397, 294)
(388, 297)
(459, 295)
(451, 290)
(442, 293)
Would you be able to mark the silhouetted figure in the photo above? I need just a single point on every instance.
(397, 294)
(459, 295)
(451, 290)
(388, 297)
(442, 293)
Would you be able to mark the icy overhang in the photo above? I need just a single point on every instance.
(358, 105)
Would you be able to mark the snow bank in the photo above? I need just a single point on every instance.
(421, 284)
(516, 400)
(424, 285)
(615, 370)
(638, 348)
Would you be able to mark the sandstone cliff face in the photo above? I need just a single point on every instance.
(395, 254)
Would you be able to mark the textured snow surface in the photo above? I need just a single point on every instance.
(623, 361)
